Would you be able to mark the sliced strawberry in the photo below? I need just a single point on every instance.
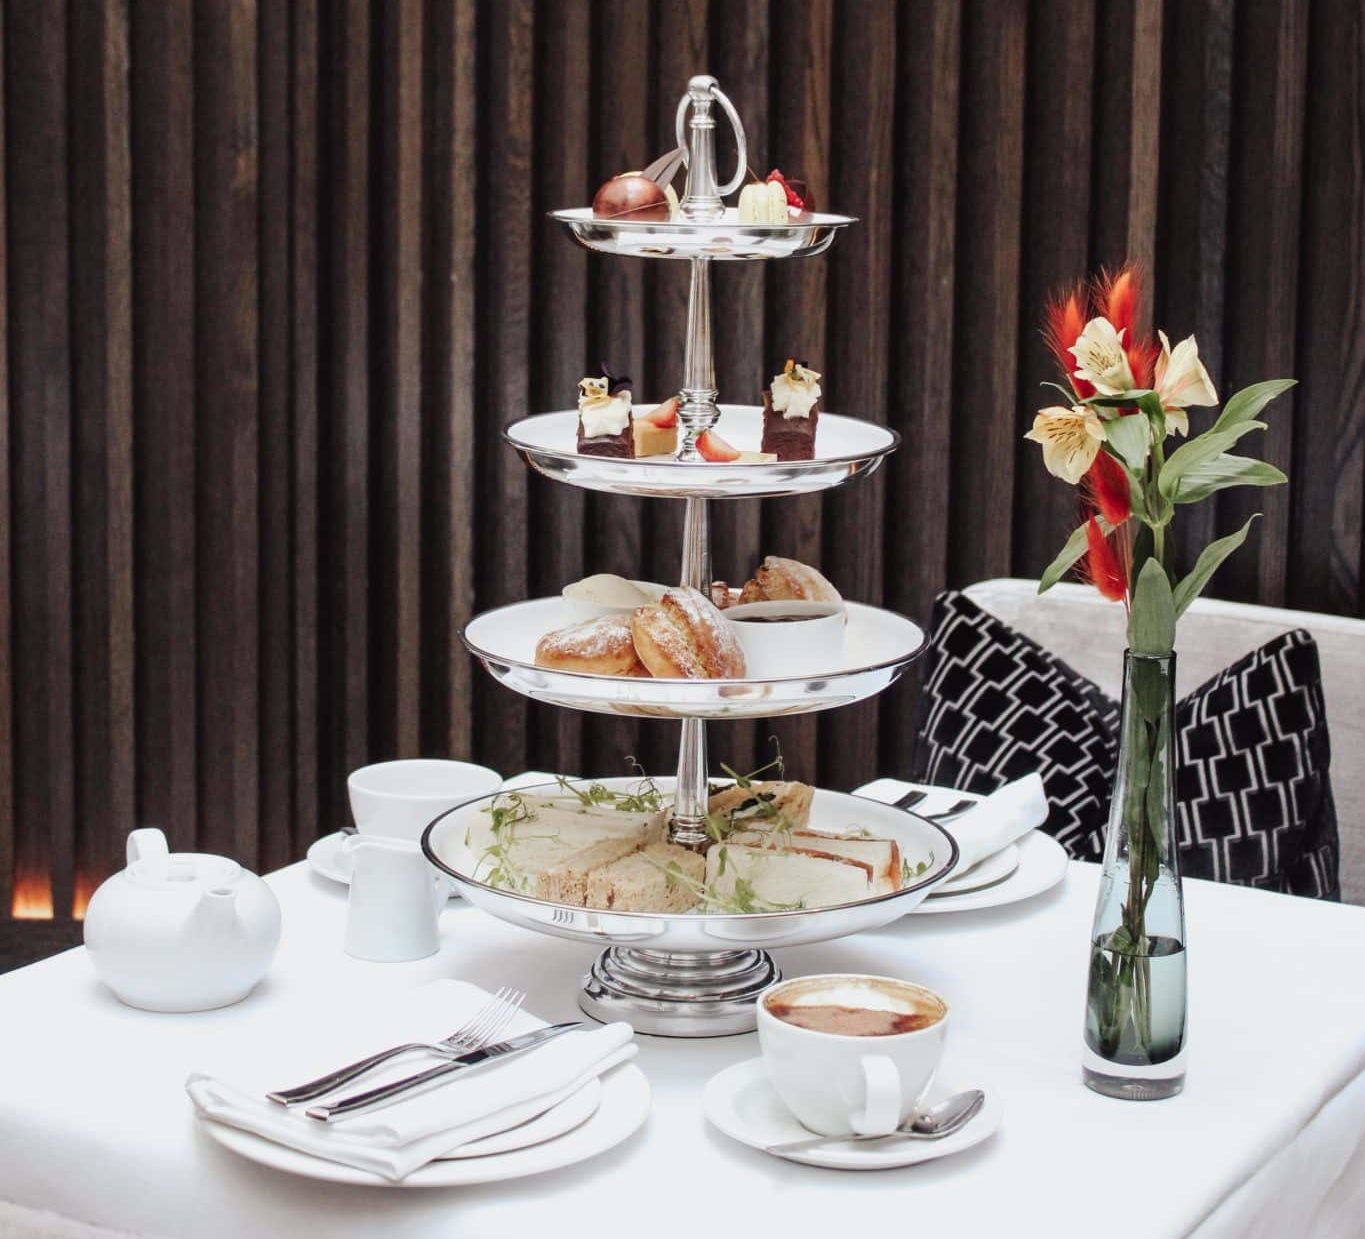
(713, 448)
(665, 415)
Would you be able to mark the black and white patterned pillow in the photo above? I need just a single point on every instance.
(1254, 798)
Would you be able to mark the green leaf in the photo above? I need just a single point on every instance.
(1248, 402)
(1209, 561)
(1075, 547)
(1221, 472)
(1151, 626)
(1125, 400)
(1131, 439)
(1198, 450)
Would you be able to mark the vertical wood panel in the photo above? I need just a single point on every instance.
(1196, 119)
(7, 699)
(919, 473)
(1272, 46)
(559, 330)
(102, 395)
(36, 171)
(304, 465)
(620, 36)
(803, 43)
(226, 337)
(395, 599)
(1329, 449)
(505, 206)
(162, 96)
(450, 460)
(863, 116)
(987, 421)
(1056, 215)
(344, 438)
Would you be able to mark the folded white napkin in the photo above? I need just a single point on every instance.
(993, 823)
(395, 1140)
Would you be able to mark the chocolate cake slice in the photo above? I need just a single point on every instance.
(788, 438)
(791, 409)
(605, 418)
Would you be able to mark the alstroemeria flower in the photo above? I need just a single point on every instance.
(1181, 381)
(1101, 359)
(1070, 438)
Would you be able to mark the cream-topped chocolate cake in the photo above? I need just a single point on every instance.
(791, 411)
(604, 416)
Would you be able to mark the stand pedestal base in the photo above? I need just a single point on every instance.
(677, 993)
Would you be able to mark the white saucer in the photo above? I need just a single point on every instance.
(622, 1107)
(995, 868)
(328, 859)
(741, 1102)
(1042, 864)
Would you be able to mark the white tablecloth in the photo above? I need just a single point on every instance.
(1268, 1138)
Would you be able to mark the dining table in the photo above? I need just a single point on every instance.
(97, 1135)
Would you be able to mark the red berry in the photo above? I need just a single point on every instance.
(713, 448)
(665, 415)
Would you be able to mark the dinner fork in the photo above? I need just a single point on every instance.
(482, 1028)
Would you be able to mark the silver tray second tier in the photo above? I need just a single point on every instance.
(845, 447)
(878, 646)
(920, 842)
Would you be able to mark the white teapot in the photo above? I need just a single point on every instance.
(180, 931)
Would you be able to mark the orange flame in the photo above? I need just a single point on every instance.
(32, 899)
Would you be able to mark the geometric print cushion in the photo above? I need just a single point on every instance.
(1253, 794)
(995, 705)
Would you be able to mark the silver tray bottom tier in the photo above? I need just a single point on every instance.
(678, 993)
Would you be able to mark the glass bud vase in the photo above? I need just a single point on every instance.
(1136, 995)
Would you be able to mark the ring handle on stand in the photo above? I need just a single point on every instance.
(741, 146)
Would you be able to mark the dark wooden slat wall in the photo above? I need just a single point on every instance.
(276, 275)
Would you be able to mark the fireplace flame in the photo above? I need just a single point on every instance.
(32, 899)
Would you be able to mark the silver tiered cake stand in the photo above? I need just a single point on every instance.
(698, 974)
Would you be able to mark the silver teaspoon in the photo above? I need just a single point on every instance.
(933, 1124)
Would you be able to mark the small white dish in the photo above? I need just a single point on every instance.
(622, 1108)
(1042, 864)
(329, 858)
(994, 868)
(579, 608)
(741, 1102)
(776, 645)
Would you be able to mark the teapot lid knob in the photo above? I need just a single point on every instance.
(147, 843)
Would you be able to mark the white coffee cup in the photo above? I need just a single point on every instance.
(841, 1084)
(395, 902)
(400, 799)
(784, 639)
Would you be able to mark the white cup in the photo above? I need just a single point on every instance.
(847, 1085)
(775, 649)
(395, 902)
(400, 799)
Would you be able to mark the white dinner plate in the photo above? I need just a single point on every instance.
(995, 868)
(740, 1101)
(1042, 864)
(328, 859)
(622, 1107)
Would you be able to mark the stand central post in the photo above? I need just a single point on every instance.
(688, 826)
(699, 410)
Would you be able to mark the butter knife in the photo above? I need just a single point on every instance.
(386, 1093)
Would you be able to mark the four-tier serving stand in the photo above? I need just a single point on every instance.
(666, 974)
